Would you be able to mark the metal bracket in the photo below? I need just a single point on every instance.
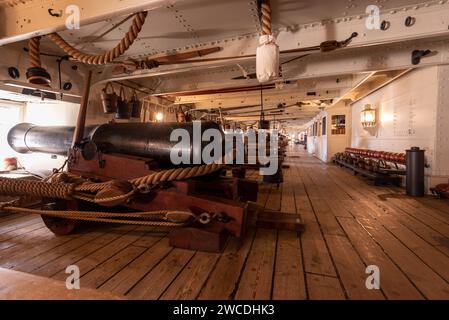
(55, 14)
(101, 161)
(418, 54)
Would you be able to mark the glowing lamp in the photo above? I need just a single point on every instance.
(368, 117)
(159, 116)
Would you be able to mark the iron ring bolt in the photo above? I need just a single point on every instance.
(385, 25)
(409, 21)
(13, 72)
(222, 217)
(204, 218)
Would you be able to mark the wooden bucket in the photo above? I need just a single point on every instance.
(123, 106)
(109, 100)
(136, 106)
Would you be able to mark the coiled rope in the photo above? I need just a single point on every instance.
(65, 187)
(101, 59)
(76, 188)
(13, 187)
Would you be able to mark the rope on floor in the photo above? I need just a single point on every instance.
(66, 187)
(163, 218)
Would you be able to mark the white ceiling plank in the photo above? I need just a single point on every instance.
(29, 19)
(344, 62)
(430, 22)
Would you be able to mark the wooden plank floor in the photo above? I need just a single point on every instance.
(349, 225)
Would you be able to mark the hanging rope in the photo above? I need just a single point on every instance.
(266, 17)
(326, 46)
(35, 73)
(101, 59)
(34, 52)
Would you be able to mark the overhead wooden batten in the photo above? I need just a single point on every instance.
(218, 91)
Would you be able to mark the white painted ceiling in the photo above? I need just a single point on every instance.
(290, 13)
(173, 27)
(201, 23)
(191, 23)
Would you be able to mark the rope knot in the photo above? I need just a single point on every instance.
(116, 192)
(4, 205)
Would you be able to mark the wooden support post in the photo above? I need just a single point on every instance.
(81, 121)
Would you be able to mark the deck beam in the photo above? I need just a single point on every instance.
(26, 20)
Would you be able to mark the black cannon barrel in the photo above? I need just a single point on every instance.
(151, 140)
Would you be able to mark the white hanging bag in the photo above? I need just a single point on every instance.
(267, 59)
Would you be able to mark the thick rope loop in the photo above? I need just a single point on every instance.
(64, 186)
(19, 187)
(176, 174)
(107, 57)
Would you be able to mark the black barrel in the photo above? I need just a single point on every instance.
(415, 163)
(149, 140)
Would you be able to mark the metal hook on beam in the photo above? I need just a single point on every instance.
(54, 14)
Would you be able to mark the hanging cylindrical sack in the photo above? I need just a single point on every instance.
(136, 106)
(123, 106)
(109, 99)
(267, 59)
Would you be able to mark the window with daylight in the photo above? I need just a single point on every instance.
(10, 115)
(323, 126)
(339, 124)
